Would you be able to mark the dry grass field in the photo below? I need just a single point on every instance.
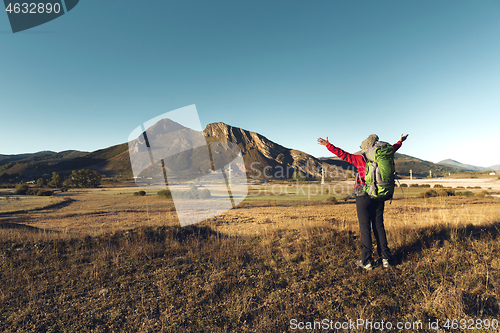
(103, 260)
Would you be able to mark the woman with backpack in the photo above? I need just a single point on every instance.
(369, 207)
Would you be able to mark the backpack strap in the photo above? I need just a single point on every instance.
(373, 188)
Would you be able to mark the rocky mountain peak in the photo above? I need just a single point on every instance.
(245, 139)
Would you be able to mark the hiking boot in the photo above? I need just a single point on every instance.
(368, 266)
(384, 262)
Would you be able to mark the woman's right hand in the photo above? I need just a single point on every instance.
(323, 142)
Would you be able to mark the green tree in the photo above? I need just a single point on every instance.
(57, 180)
(298, 175)
(40, 182)
(85, 178)
(94, 178)
(75, 178)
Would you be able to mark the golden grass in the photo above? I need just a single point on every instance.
(17, 203)
(251, 269)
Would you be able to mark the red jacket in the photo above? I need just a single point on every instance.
(357, 160)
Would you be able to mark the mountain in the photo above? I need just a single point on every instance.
(464, 167)
(261, 156)
(467, 167)
(183, 152)
(11, 158)
(38, 163)
(419, 167)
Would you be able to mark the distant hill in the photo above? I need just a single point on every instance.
(11, 158)
(109, 162)
(419, 167)
(467, 167)
(37, 163)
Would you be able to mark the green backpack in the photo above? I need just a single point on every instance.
(380, 171)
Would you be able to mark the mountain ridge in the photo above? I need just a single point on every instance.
(260, 156)
(467, 167)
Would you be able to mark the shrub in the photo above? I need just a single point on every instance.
(425, 185)
(64, 188)
(164, 194)
(205, 194)
(31, 192)
(489, 197)
(460, 187)
(438, 186)
(445, 193)
(477, 187)
(414, 185)
(403, 185)
(332, 200)
(41, 193)
(21, 189)
(479, 195)
(465, 194)
(141, 193)
(428, 194)
(298, 175)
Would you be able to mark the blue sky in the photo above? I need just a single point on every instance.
(290, 70)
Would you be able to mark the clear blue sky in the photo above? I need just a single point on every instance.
(289, 70)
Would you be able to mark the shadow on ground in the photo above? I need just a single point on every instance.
(437, 235)
(58, 205)
(14, 225)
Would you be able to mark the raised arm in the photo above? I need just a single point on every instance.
(398, 144)
(355, 160)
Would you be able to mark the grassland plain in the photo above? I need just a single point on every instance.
(106, 261)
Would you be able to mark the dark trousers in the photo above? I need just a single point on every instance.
(371, 215)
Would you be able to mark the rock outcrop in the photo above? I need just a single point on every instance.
(262, 156)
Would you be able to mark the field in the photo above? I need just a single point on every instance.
(103, 260)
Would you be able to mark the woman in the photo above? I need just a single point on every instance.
(370, 211)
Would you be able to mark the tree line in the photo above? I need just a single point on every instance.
(77, 178)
